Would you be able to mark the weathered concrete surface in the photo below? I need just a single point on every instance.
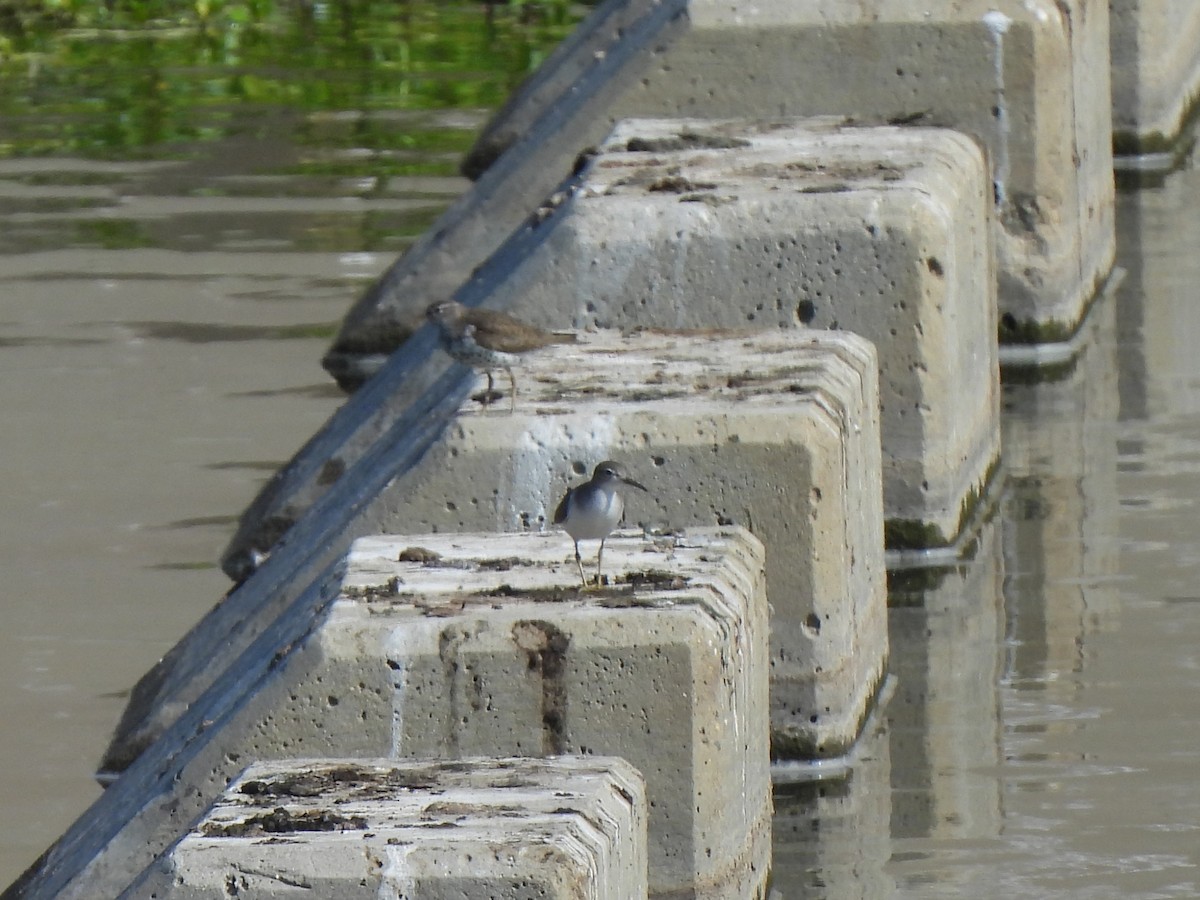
(1155, 72)
(337, 675)
(1028, 78)
(490, 646)
(963, 449)
(816, 412)
(571, 828)
(880, 231)
(777, 431)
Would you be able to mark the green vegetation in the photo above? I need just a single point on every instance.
(111, 234)
(328, 99)
(130, 79)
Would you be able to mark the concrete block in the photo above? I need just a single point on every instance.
(486, 644)
(822, 504)
(775, 430)
(569, 828)
(1155, 73)
(880, 231)
(1029, 79)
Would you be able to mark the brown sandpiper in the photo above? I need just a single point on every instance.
(593, 509)
(487, 339)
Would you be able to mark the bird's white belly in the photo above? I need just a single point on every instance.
(596, 520)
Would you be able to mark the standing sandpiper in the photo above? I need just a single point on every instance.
(593, 509)
(486, 339)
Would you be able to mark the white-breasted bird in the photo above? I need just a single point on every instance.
(593, 509)
(487, 339)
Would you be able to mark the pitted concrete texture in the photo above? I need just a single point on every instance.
(571, 828)
(487, 644)
(1155, 70)
(880, 231)
(774, 430)
(800, 466)
(1027, 78)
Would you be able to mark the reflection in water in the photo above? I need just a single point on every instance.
(1061, 515)
(942, 720)
(923, 782)
(830, 838)
(1043, 739)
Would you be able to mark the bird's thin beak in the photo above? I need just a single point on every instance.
(632, 483)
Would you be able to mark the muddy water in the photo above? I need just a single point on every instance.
(186, 213)
(160, 330)
(159, 359)
(146, 394)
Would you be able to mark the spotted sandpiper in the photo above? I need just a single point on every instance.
(593, 509)
(486, 339)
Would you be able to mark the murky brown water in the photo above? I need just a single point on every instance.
(146, 394)
(1043, 738)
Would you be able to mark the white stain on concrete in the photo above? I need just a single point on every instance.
(998, 24)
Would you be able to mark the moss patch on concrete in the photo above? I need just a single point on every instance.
(792, 744)
(1012, 330)
(1128, 142)
(913, 534)
(1032, 331)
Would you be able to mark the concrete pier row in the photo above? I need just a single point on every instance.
(570, 828)
(884, 232)
(1028, 79)
(778, 431)
(1155, 76)
(454, 646)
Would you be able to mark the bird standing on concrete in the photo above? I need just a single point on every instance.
(486, 339)
(593, 509)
